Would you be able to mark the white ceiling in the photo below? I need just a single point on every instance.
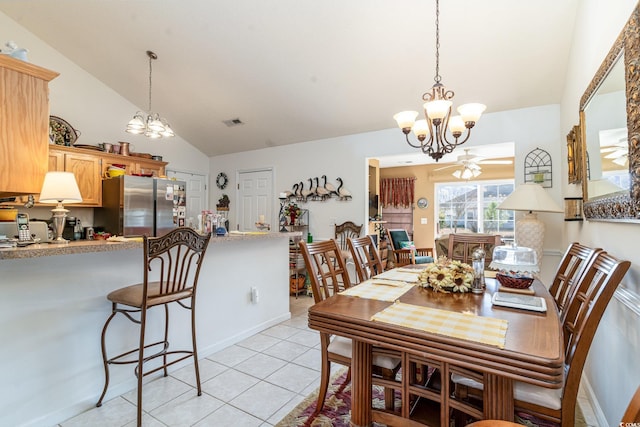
(301, 70)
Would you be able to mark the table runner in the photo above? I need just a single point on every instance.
(486, 330)
(379, 291)
(401, 275)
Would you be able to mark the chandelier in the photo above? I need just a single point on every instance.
(150, 124)
(432, 131)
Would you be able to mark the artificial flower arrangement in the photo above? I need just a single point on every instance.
(446, 276)
(292, 211)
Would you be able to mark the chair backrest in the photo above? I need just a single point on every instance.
(462, 245)
(345, 231)
(632, 414)
(325, 267)
(366, 258)
(572, 265)
(583, 311)
(174, 260)
(397, 235)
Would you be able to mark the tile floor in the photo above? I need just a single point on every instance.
(253, 383)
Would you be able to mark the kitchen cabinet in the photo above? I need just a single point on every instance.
(90, 167)
(87, 169)
(24, 126)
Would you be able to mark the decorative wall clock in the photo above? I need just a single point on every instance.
(222, 180)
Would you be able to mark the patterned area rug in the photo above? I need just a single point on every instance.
(337, 408)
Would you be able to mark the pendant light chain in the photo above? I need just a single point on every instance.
(437, 77)
(150, 72)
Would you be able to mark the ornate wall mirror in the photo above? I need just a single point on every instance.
(610, 132)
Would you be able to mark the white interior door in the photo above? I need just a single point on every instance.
(196, 194)
(255, 196)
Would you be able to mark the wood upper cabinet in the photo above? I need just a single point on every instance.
(24, 126)
(85, 166)
(90, 167)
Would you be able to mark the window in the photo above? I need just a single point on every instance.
(471, 207)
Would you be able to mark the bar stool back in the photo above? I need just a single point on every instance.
(174, 262)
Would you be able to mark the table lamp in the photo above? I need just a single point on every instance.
(529, 229)
(59, 187)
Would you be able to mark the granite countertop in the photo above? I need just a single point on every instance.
(87, 246)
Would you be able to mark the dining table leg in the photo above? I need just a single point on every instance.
(498, 397)
(361, 363)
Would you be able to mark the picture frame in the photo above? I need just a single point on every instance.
(574, 160)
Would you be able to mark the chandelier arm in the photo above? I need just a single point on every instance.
(413, 145)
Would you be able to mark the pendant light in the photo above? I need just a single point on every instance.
(150, 124)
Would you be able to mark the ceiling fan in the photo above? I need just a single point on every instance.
(618, 153)
(471, 165)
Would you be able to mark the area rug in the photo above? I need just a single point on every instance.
(337, 408)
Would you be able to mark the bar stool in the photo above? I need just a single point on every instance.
(173, 261)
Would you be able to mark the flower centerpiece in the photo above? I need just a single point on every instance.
(292, 211)
(446, 275)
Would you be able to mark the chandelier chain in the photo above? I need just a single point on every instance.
(437, 77)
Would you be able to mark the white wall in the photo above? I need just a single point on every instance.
(346, 156)
(612, 370)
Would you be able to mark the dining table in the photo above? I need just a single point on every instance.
(502, 344)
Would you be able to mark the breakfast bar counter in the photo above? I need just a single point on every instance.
(54, 306)
(86, 246)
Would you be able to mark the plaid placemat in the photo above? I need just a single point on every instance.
(380, 291)
(401, 275)
(469, 327)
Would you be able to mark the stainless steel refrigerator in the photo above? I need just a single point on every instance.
(136, 205)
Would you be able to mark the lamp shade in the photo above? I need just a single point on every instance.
(530, 197)
(60, 187)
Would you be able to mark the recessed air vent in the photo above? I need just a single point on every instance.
(233, 122)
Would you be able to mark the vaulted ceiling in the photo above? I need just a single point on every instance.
(301, 70)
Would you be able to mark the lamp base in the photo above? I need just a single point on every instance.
(59, 217)
(530, 233)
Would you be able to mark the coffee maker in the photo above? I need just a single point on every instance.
(72, 229)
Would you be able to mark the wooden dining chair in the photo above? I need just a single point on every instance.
(462, 245)
(402, 256)
(366, 257)
(326, 278)
(571, 266)
(343, 232)
(631, 415)
(584, 309)
(171, 268)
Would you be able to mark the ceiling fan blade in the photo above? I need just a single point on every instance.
(616, 154)
(445, 167)
(495, 162)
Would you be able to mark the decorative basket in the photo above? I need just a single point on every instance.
(517, 282)
(296, 283)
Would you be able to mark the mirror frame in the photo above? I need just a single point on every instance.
(621, 206)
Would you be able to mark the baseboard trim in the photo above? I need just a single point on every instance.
(593, 401)
(629, 298)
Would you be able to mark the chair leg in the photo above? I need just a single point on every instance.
(324, 383)
(104, 357)
(195, 347)
(166, 339)
(143, 318)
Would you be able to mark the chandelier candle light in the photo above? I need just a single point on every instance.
(431, 131)
(150, 124)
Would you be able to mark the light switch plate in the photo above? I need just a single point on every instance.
(423, 221)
